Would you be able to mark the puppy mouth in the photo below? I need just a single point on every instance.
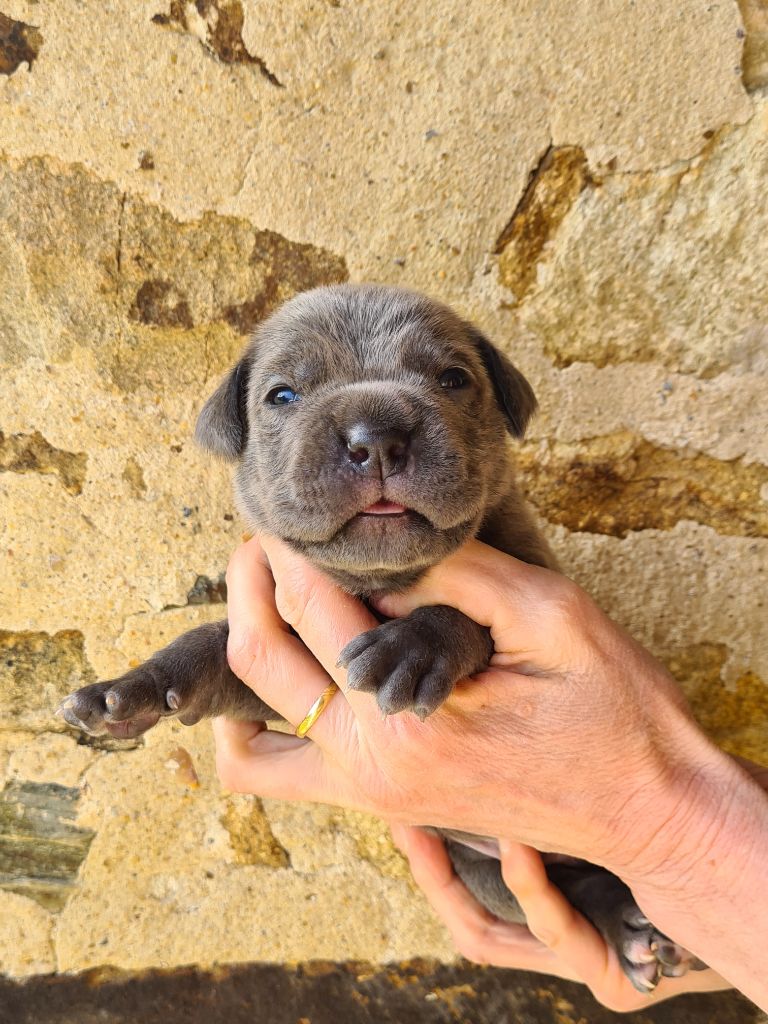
(384, 508)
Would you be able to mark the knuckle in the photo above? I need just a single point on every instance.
(244, 650)
(568, 603)
(294, 597)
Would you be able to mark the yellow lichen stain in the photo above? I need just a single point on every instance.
(619, 483)
(562, 1010)
(552, 190)
(373, 842)
(734, 717)
(250, 835)
(150, 356)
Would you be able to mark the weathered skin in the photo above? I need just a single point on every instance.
(352, 398)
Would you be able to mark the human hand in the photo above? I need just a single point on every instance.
(572, 735)
(557, 939)
(574, 740)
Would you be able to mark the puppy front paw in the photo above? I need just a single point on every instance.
(413, 663)
(129, 706)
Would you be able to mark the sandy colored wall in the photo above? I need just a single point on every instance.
(585, 180)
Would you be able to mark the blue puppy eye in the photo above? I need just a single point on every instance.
(454, 378)
(282, 396)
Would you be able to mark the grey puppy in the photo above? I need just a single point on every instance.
(369, 426)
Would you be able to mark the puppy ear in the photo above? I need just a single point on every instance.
(513, 392)
(222, 426)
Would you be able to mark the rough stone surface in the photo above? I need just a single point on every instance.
(586, 181)
(41, 849)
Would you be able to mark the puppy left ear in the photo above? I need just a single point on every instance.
(513, 392)
(222, 426)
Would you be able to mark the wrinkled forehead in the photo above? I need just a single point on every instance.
(375, 333)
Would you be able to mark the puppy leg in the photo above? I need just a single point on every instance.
(645, 954)
(413, 663)
(190, 678)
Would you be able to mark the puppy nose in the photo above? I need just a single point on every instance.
(374, 452)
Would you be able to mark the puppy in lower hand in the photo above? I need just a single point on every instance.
(369, 429)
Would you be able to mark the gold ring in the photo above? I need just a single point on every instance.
(316, 710)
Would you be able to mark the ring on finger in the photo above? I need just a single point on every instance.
(316, 710)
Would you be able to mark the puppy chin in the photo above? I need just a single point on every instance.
(389, 544)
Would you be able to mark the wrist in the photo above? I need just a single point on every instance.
(699, 839)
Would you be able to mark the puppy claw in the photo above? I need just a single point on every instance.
(173, 700)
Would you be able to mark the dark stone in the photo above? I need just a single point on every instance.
(159, 303)
(37, 670)
(31, 453)
(287, 267)
(19, 44)
(208, 591)
(41, 849)
(417, 992)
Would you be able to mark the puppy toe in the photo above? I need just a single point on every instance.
(356, 647)
(397, 691)
(130, 698)
(68, 710)
(131, 727)
(433, 689)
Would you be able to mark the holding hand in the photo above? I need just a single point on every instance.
(574, 740)
(557, 939)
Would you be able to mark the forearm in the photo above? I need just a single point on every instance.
(702, 875)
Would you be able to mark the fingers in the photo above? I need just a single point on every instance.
(551, 917)
(518, 602)
(266, 655)
(577, 946)
(252, 759)
(325, 617)
(475, 932)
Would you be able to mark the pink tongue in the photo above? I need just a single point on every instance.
(384, 508)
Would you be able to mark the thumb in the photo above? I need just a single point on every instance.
(508, 596)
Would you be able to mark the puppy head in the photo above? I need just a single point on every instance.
(368, 424)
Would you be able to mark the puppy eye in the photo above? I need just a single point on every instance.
(454, 378)
(282, 395)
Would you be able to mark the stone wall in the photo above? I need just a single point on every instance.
(586, 180)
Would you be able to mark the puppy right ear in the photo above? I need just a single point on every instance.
(222, 426)
(513, 392)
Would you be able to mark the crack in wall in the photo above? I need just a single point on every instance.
(554, 185)
(218, 25)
